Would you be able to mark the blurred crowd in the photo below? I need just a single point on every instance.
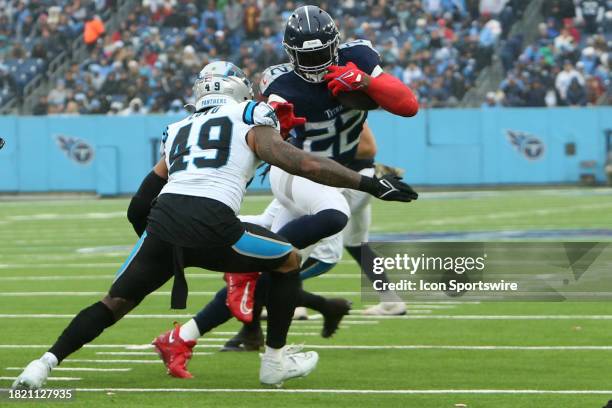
(148, 65)
(568, 64)
(33, 32)
(437, 47)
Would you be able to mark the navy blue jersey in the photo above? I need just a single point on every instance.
(331, 130)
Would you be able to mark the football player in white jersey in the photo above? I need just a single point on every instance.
(208, 160)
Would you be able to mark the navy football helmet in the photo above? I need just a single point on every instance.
(311, 40)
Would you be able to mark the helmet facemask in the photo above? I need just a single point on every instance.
(311, 60)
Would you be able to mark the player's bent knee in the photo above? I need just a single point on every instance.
(292, 262)
(119, 306)
(334, 221)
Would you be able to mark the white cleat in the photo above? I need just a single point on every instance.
(301, 313)
(386, 309)
(291, 365)
(33, 376)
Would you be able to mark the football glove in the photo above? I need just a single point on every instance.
(286, 117)
(388, 188)
(346, 78)
(1, 143)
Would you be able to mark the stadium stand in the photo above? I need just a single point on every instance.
(36, 36)
(148, 63)
(568, 62)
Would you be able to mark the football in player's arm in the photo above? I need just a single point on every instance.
(386, 90)
(345, 83)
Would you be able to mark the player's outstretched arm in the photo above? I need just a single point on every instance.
(268, 145)
(140, 205)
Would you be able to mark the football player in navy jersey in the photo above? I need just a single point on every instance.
(318, 98)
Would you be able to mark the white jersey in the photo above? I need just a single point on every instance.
(207, 153)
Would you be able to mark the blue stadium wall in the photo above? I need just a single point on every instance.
(451, 147)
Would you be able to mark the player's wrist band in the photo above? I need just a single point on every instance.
(368, 185)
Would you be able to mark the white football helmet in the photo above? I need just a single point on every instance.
(219, 83)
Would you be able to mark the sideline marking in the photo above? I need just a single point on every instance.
(344, 391)
(48, 379)
(87, 360)
(158, 293)
(327, 347)
(106, 277)
(78, 369)
(317, 317)
(146, 353)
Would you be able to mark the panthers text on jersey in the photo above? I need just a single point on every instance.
(207, 153)
(331, 130)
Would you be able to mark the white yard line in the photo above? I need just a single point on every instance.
(225, 334)
(66, 216)
(335, 347)
(473, 348)
(158, 293)
(54, 278)
(48, 379)
(102, 370)
(317, 317)
(103, 361)
(218, 276)
(440, 347)
(305, 327)
(151, 316)
(488, 317)
(147, 353)
(419, 308)
(467, 219)
(35, 346)
(62, 265)
(347, 391)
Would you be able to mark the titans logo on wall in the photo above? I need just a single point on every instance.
(526, 144)
(76, 149)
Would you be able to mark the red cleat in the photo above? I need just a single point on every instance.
(174, 352)
(241, 294)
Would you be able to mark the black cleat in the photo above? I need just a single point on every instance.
(336, 309)
(247, 339)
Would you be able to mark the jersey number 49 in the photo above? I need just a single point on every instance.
(214, 140)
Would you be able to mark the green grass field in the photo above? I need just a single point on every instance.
(58, 256)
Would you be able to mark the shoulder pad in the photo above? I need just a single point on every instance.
(272, 73)
(365, 43)
(362, 54)
(165, 135)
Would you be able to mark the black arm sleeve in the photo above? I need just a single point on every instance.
(140, 206)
